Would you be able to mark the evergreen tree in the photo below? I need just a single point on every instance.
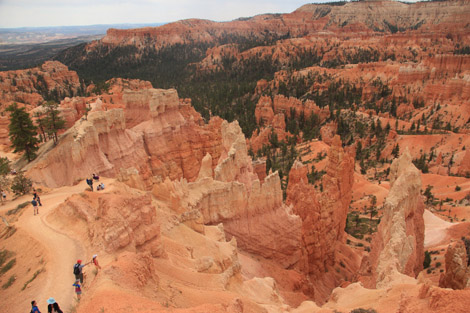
(41, 125)
(22, 132)
(4, 166)
(359, 151)
(396, 151)
(53, 121)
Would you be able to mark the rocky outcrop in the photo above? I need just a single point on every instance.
(118, 220)
(31, 86)
(277, 126)
(397, 247)
(169, 140)
(457, 274)
(323, 214)
(100, 144)
(251, 211)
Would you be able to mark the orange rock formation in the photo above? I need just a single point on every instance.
(397, 247)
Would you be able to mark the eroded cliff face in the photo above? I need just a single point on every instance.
(251, 211)
(457, 274)
(167, 139)
(388, 16)
(100, 144)
(324, 213)
(397, 248)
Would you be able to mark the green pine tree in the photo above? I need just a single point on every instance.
(53, 120)
(22, 132)
(41, 125)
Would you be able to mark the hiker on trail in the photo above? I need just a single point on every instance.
(38, 200)
(100, 187)
(34, 307)
(35, 206)
(78, 270)
(36, 197)
(89, 181)
(78, 289)
(52, 306)
(96, 177)
(95, 261)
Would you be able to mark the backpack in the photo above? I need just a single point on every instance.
(34, 203)
(76, 269)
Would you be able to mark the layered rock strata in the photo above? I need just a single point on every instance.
(167, 138)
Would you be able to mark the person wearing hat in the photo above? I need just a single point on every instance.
(78, 270)
(52, 306)
(95, 261)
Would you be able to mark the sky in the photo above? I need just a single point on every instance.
(38, 13)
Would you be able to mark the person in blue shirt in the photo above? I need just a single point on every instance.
(34, 307)
(35, 206)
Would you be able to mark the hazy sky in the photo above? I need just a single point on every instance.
(20, 13)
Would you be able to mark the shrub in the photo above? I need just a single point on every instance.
(21, 184)
(18, 208)
(458, 188)
(32, 278)
(9, 282)
(438, 264)
(7, 266)
(427, 259)
(4, 255)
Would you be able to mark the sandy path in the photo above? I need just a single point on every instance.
(62, 250)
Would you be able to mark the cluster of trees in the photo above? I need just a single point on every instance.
(228, 90)
(24, 134)
(280, 156)
(309, 126)
(462, 50)
(54, 94)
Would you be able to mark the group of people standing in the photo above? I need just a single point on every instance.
(78, 272)
(52, 305)
(89, 182)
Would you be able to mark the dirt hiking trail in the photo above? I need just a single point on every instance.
(62, 250)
